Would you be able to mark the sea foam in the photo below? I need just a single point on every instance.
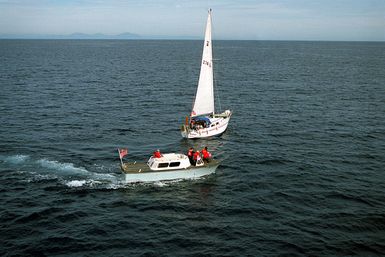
(16, 159)
(66, 167)
(76, 183)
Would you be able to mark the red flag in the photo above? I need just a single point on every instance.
(122, 153)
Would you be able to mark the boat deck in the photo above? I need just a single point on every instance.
(135, 167)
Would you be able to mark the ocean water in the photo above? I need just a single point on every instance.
(302, 162)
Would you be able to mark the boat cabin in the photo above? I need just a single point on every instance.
(169, 161)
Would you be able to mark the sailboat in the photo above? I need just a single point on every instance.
(203, 121)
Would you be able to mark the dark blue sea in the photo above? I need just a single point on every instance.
(302, 163)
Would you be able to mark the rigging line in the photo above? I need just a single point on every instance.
(195, 94)
(216, 88)
(215, 80)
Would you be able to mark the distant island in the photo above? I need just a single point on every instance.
(125, 35)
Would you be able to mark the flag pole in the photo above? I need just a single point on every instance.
(121, 161)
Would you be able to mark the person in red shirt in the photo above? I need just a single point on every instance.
(190, 155)
(157, 154)
(197, 157)
(206, 155)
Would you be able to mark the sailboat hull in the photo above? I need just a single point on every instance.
(218, 126)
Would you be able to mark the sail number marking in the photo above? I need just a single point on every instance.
(207, 63)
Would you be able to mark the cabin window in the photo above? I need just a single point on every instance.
(174, 164)
(163, 165)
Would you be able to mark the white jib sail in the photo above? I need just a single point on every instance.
(204, 99)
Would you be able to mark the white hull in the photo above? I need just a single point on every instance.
(219, 127)
(155, 176)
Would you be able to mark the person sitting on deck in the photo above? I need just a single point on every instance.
(197, 157)
(192, 124)
(157, 154)
(190, 155)
(206, 155)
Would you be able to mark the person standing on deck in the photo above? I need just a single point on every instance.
(157, 154)
(190, 155)
(206, 155)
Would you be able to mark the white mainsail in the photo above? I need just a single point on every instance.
(204, 99)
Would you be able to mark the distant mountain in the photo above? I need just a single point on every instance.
(128, 35)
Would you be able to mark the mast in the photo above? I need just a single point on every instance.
(204, 99)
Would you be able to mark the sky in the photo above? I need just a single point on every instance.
(335, 20)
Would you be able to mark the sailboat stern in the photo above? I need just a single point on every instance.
(184, 130)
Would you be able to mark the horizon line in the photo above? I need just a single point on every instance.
(133, 36)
